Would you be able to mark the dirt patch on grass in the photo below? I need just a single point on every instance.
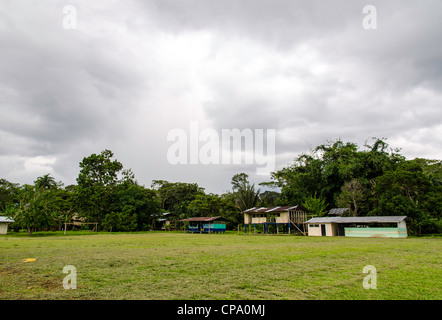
(19, 280)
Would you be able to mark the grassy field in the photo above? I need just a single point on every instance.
(171, 266)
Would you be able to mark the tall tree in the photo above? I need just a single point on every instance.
(300, 180)
(329, 166)
(9, 195)
(45, 182)
(206, 205)
(133, 208)
(97, 178)
(407, 190)
(269, 198)
(39, 209)
(352, 196)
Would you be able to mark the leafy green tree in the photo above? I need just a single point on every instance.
(9, 195)
(300, 180)
(269, 198)
(316, 206)
(136, 206)
(239, 181)
(329, 166)
(59, 202)
(407, 190)
(111, 220)
(96, 182)
(205, 205)
(213, 205)
(230, 211)
(27, 215)
(432, 169)
(176, 196)
(39, 209)
(64, 200)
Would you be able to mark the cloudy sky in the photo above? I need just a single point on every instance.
(78, 77)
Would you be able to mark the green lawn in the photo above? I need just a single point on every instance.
(217, 266)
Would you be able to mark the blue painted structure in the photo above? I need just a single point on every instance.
(206, 224)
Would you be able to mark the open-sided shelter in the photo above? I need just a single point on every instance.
(206, 224)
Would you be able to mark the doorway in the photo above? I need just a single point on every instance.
(341, 230)
(323, 230)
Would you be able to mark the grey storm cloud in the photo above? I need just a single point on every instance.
(134, 70)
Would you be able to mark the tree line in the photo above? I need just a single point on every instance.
(109, 195)
(374, 181)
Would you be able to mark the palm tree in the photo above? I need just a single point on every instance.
(247, 197)
(244, 193)
(45, 182)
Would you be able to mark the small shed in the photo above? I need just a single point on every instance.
(166, 222)
(373, 226)
(4, 221)
(206, 224)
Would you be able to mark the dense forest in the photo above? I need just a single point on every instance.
(374, 181)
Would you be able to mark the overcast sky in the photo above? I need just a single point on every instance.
(78, 77)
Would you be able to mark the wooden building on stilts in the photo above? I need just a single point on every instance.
(276, 220)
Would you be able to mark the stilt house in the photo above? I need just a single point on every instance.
(272, 219)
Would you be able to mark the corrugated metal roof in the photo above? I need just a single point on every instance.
(338, 211)
(168, 214)
(260, 210)
(375, 219)
(6, 219)
(272, 209)
(202, 219)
